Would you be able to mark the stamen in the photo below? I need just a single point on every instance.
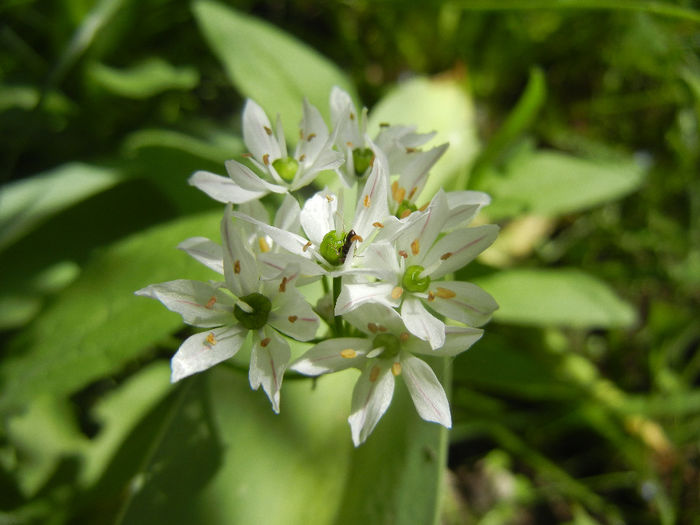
(431, 296)
(397, 292)
(266, 159)
(292, 318)
(247, 155)
(422, 208)
(348, 353)
(415, 247)
(211, 339)
(237, 267)
(404, 337)
(394, 189)
(267, 130)
(311, 137)
(329, 198)
(444, 293)
(352, 116)
(412, 192)
(210, 303)
(348, 144)
(283, 285)
(403, 254)
(405, 213)
(384, 124)
(302, 158)
(366, 201)
(411, 150)
(357, 238)
(396, 369)
(372, 327)
(264, 247)
(306, 246)
(374, 374)
(400, 195)
(381, 328)
(377, 224)
(446, 256)
(265, 342)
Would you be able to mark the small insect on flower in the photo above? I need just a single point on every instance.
(349, 238)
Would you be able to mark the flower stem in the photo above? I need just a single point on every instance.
(338, 319)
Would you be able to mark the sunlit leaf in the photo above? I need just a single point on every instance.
(441, 105)
(269, 65)
(145, 79)
(28, 202)
(97, 325)
(566, 297)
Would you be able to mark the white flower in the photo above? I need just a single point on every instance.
(408, 270)
(268, 153)
(386, 352)
(243, 303)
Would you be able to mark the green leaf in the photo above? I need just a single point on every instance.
(145, 79)
(28, 202)
(440, 105)
(268, 65)
(552, 183)
(556, 297)
(96, 326)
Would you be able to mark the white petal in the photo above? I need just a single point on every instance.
(287, 216)
(292, 315)
(223, 189)
(426, 391)
(348, 129)
(370, 400)
(464, 205)
(457, 340)
(293, 243)
(314, 133)
(381, 260)
(318, 216)
(206, 349)
(267, 365)
(240, 267)
(421, 323)
(333, 355)
(248, 180)
(470, 304)
(199, 304)
(425, 226)
(372, 203)
(205, 251)
(256, 136)
(417, 166)
(373, 318)
(353, 295)
(458, 248)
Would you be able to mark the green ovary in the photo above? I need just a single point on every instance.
(412, 280)
(256, 319)
(362, 159)
(391, 345)
(332, 247)
(286, 168)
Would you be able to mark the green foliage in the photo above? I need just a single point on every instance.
(580, 119)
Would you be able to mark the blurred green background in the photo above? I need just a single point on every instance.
(580, 405)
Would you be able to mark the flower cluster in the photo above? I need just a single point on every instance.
(383, 259)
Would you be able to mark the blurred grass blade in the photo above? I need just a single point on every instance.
(268, 65)
(26, 203)
(556, 297)
(144, 79)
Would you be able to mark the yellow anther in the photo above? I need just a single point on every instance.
(237, 266)
(264, 247)
(397, 292)
(384, 124)
(366, 202)
(247, 155)
(372, 327)
(396, 369)
(352, 116)
(266, 159)
(399, 195)
(446, 256)
(403, 254)
(411, 150)
(444, 293)
(377, 224)
(302, 158)
(412, 192)
(311, 137)
(329, 198)
(356, 238)
(306, 246)
(267, 130)
(422, 208)
(374, 374)
(348, 353)
(211, 339)
(415, 247)
(210, 303)
(405, 213)
(404, 337)
(431, 296)
(292, 318)
(283, 285)
(381, 328)
(265, 342)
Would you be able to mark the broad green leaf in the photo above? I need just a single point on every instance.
(441, 105)
(268, 65)
(97, 325)
(145, 79)
(26, 203)
(565, 297)
(552, 183)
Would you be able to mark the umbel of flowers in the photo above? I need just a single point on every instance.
(385, 263)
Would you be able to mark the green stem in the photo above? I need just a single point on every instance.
(337, 283)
